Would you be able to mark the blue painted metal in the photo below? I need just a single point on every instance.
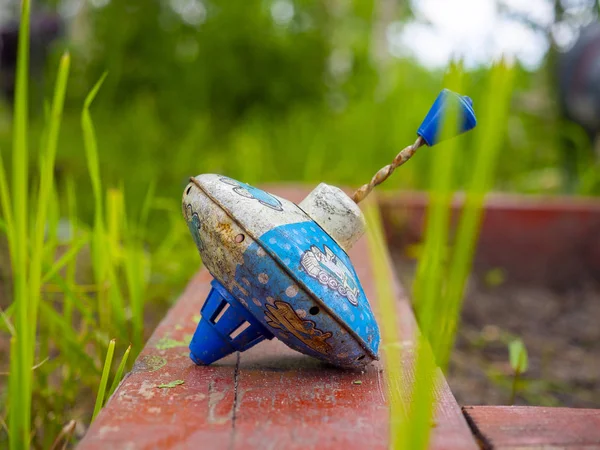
(311, 314)
(290, 280)
(245, 190)
(324, 270)
(430, 129)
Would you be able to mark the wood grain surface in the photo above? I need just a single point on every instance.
(268, 397)
(529, 427)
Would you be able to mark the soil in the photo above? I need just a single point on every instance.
(560, 330)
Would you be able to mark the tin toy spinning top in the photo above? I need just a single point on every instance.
(282, 269)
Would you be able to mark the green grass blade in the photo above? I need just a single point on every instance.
(115, 218)
(91, 147)
(68, 343)
(81, 302)
(389, 333)
(45, 200)
(7, 323)
(116, 302)
(487, 145)
(104, 379)
(422, 401)
(517, 355)
(8, 314)
(71, 270)
(120, 371)
(134, 266)
(6, 207)
(13, 418)
(519, 362)
(100, 254)
(430, 271)
(21, 357)
(66, 258)
(71, 205)
(134, 271)
(114, 256)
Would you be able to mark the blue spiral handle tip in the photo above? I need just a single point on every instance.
(430, 129)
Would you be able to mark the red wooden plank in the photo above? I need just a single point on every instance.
(287, 400)
(140, 415)
(266, 397)
(506, 427)
(552, 241)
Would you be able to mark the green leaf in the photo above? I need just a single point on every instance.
(482, 164)
(397, 391)
(171, 384)
(66, 258)
(104, 380)
(7, 323)
(120, 370)
(518, 356)
(68, 343)
(20, 385)
(91, 148)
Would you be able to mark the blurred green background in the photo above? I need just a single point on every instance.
(276, 91)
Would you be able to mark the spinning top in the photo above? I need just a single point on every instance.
(282, 269)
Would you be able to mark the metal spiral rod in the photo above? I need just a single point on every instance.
(385, 172)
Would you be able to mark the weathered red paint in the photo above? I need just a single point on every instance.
(553, 241)
(266, 397)
(141, 415)
(295, 402)
(524, 427)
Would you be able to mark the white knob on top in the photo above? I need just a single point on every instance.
(336, 213)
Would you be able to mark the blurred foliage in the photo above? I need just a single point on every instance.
(276, 90)
(227, 60)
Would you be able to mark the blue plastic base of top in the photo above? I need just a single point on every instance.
(225, 327)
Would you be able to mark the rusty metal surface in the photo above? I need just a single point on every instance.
(552, 241)
(268, 397)
(336, 213)
(285, 270)
(529, 427)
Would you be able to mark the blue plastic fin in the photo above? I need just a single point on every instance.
(225, 327)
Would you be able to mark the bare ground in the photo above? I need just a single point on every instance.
(560, 329)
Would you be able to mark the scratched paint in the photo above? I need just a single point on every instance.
(334, 282)
(171, 384)
(336, 213)
(149, 363)
(167, 342)
(281, 398)
(312, 331)
(282, 266)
